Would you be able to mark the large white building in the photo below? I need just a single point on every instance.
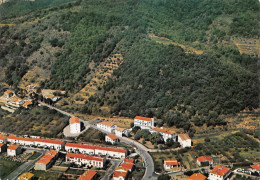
(14, 150)
(21, 140)
(166, 134)
(96, 150)
(107, 126)
(75, 125)
(88, 160)
(53, 144)
(144, 122)
(219, 173)
(46, 161)
(184, 140)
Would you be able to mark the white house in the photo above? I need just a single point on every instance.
(88, 175)
(170, 164)
(88, 160)
(3, 147)
(107, 126)
(3, 139)
(204, 161)
(20, 140)
(75, 125)
(46, 161)
(197, 176)
(14, 150)
(53, 144)
(144, 122)
(219, 173)
(184, 140)
(111, 138)
(81, 148)
(166, 134)
(112, 152)
(121, 131)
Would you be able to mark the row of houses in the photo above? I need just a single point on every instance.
(144, 123)
(126, 167)
(69, 147)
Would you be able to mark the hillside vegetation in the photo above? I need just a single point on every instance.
(63, 38)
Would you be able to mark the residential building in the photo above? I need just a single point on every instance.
(53, 144)
(14, 150)
(111, 152)
(166, 134)
(184, 140)
(121, 169)
(88, 160)
(26, 176)
(88, 175)
(3, 139)
(121, 131)
(111, 138)
(204, 161)
(3, 147)
(144, 122)
(46, 161)
(27, 104)
(117, 175)
(107, 126)
(8, 94)
(128, 166)
(219, 173)
(197, 176)
(129, 160)
(21, 140)
(75, 126)
(81, 148)
(170, 164)
(256, 168)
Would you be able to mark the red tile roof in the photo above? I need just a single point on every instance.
(128, 166)
(74, 119)
(118, 174)
(13, 147)
(204, 158)
(83, 156)
(46, 159)
(2, 137)
(8, 91)
(85, 146)
(220, 170)
(112, 136)
(172, 162)
(50, 141)
(120, 168)
(197, 176)
(20, 138)
(120, 129)
(143, 118)
(87, 175)
(166, 131)
(106, 123)
(256, 166)
(184, 137)
(129, 160)
(1, 144)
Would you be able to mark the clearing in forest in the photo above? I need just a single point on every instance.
(166, 41)
(247, 46)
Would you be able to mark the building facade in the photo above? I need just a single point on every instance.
(144, 122)
(184, 140)
(219, 173)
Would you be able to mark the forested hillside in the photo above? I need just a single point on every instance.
(64, 37)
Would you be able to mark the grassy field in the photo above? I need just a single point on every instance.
(47, 175)
(6, 167)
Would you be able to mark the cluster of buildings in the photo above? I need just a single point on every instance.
(148, 123)
(126, 167)
(13, 102)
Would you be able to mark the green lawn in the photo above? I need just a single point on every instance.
(34, 156)
(6, 167)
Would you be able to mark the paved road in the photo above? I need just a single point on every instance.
(140, 149)
(25, 167)
(115, 164)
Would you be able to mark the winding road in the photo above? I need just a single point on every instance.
(140, 149)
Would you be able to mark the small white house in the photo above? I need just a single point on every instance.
(166, 134)
(204, 161)
(121, 131)
(75, 125)
(107, 126)
(111, 138)
(144, 122)
(219, 173)
(170, 164)
(184, 140)
(14, 150)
